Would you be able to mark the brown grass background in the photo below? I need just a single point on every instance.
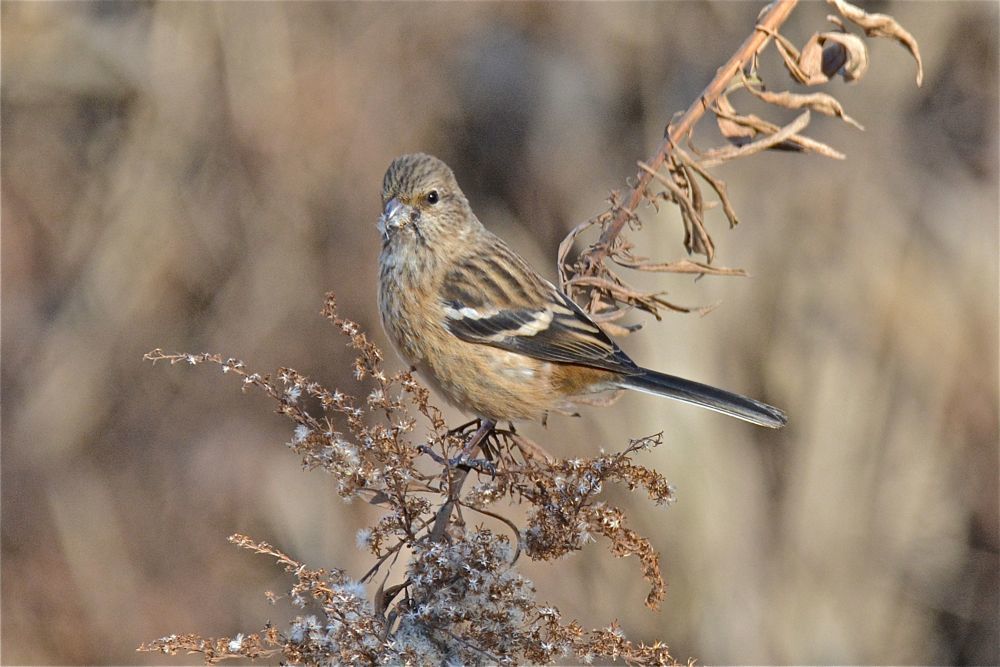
(195, 176)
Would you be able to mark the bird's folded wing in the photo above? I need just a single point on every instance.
(526, 314)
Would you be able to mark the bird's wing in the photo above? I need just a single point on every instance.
(497, 299)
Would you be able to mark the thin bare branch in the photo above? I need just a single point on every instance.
(769, 22)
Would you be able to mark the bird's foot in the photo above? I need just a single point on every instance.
(484, 466)
(478, 438)
(458, 430)
(464, 459)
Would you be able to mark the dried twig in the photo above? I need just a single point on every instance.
(675, 176)
(775, 16)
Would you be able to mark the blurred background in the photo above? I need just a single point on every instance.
(195, 176)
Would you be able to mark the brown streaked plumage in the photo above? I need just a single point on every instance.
(490, 334)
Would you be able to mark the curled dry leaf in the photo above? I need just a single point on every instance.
(753, 125)
(809, 68)
(696, 237)
(685, 266)
(821, 102)
(718, 185)
(844, 54)
(881, 25)
(775, 137)
(562, 256)
(617, 290)
(791, 57)
(827, 54)
(736, 133)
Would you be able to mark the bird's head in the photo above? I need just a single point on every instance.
(421, 201)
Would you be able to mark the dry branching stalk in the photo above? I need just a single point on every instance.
(676, 176)
(461, 599)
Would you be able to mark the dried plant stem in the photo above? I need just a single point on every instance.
(767, 25)
(455, 485)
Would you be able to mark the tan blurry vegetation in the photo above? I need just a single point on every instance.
(199, 175)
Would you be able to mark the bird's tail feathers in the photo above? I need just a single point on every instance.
(728, 403)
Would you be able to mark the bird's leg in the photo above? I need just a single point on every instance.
(461, 429)
(491, 446)
(485, 428)
(440, 527)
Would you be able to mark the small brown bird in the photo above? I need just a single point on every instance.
(491, 335)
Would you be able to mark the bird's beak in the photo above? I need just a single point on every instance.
(395, 215)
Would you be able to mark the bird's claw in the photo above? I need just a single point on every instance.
(462, 461)
(479, 465)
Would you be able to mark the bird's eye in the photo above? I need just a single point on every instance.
(433, 197)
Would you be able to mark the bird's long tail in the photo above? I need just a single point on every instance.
(712, 398)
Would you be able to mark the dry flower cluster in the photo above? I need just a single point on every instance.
(461, 599)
